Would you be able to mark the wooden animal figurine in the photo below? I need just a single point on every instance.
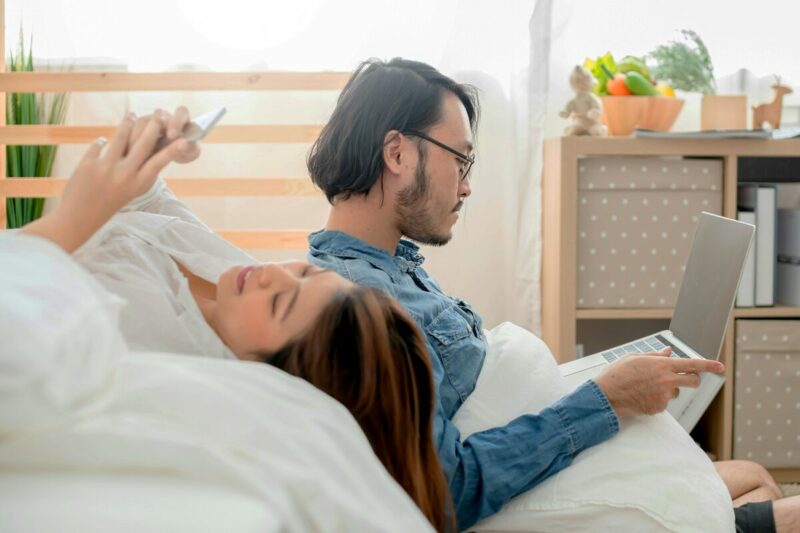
(771, 112)
(585, 110)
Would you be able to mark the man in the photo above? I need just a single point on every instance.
(394, 161)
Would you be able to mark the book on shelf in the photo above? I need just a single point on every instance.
(783, 133)
(746, 294)
(761, 199)
(788, 267)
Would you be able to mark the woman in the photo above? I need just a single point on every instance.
(190, 291)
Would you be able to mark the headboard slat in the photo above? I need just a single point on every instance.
(267, 239)
(38, 82)
(52, 187)
(280, 133)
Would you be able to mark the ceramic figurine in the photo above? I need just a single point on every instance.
(585, 110)
(771, 112)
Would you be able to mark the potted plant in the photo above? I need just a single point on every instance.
(686, 65)
(29, 161)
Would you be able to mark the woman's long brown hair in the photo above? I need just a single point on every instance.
(367, 353)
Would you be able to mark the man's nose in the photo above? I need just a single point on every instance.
(465, 187)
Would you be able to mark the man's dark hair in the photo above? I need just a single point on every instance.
(401, 95)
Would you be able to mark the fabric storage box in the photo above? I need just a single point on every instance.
(766, 420)
(636, 220)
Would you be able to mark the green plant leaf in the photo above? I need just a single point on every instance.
(29, 161)
(685, 65)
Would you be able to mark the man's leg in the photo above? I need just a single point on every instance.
(747, 482)
(787, 514)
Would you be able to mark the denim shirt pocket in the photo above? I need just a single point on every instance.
(460, 352)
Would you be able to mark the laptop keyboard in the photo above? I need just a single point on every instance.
(654, 343)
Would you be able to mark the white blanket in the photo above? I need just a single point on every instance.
(73, 400)
(649, 477)
(242, 426)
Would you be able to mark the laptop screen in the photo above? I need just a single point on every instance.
(710, 282)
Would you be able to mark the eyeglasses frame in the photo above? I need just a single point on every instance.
(469, 160)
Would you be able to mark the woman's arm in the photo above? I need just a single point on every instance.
(160, 199)
(105, 181)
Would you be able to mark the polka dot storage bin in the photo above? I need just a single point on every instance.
(766, 416)
(636, 220)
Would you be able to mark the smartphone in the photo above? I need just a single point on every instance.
(195, 129)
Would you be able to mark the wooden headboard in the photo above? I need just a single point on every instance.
(213, 186)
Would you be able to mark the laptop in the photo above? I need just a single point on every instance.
(700, 317)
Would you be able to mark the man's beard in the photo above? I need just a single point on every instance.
(414, 217)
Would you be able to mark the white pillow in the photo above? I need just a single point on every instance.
(58, 326)
(651, 476)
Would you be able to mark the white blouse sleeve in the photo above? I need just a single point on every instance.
(186, 238)
(161, 200)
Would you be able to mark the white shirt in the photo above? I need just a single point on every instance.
(132, 257)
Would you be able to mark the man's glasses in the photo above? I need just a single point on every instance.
(466, 161)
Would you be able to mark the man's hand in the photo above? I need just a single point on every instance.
(645, 383)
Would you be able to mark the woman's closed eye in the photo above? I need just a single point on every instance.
(290, 295)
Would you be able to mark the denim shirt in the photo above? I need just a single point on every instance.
(490, 467)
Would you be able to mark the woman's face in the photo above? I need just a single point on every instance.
(261, 308)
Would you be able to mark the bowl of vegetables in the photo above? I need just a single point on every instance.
(631, 97)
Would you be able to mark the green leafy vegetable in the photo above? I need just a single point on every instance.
(634, 64)
(601, 74)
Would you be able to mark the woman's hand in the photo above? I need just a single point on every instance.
(105, 181)
(186, 152)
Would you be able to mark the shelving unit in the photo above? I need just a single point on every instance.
(559, 269)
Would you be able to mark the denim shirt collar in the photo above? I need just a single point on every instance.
(406, 259)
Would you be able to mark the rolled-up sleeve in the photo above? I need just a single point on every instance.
(491, 467)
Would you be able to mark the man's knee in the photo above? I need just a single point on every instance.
(764, 478)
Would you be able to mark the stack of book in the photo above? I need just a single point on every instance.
(772, 269)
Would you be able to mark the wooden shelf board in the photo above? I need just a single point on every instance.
(623, 314)
(631, 146)
(785, 475)
(779, 311)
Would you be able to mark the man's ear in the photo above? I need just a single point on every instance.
(393, 151)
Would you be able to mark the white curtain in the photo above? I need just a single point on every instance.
(493, 260)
